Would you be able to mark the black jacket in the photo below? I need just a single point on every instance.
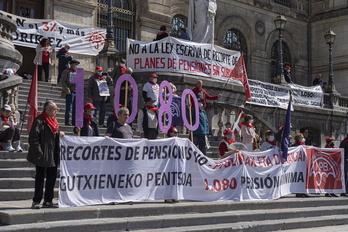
(44, 147)
(84, 129)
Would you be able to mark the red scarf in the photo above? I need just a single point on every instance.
(161, 32)
(271, 142)
(152, 108)
(88, 117)
(4, 119)
(229, 141)
(66, 52)
(123, 69)
(52, 122)
(97, 76)
(328, 146)
(346, 140)
(300, 143)
(247, 124)
(152, 83)
(71, 69)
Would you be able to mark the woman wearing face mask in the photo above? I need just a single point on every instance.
(248, 132)
(330, 143)
(90, 125)
(270, 141)
(299, 140)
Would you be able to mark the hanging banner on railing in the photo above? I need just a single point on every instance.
(308, 96)
(175, 55)
(270, 95)
(82, 40)
(98, 170)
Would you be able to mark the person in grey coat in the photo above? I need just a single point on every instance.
(44, 154)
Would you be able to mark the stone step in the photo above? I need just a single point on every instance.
(17, 172)
(16, 183)
(19, 194)
(12, 155)
(15, 163)
(285, 213)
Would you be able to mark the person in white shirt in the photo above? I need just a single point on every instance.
(151, 89)
(270, 141)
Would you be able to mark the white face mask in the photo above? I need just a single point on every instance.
(174, 90)
(92, 112)
(271, 138)
(303, 140)
(76, 67)
(251, 120)
(122, 65)
(100, 74)
(154, 80)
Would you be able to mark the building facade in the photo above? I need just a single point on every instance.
(243, 25)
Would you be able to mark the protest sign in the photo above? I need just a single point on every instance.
(308, 96)
(97, 170)
(82, 40)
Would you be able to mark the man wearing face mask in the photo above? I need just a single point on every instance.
(63, 60)
(98, 91)
(270, 142)
(69, 91)
(90, 125)
(151, 89)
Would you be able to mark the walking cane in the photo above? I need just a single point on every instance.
(126, 95)
(190, 115)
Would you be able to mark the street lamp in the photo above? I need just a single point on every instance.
(280, 22)
(330, 39)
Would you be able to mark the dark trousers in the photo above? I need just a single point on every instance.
(11, 134)
(70, 101)
(61, 68)
(199, 141)
(51, 175)
(45, 67)
(100, 106)
(151, 133)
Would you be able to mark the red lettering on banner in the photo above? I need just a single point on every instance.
(150, 63)
(219, 185)
(216, 70)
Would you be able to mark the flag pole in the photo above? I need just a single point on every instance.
(190, 115)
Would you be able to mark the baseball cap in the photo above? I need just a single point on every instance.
(153, 75)
(99, 68)
(329, 140)
(288, 67)
(88, 106)
(6, 107)
(227, 131)
(74, 62)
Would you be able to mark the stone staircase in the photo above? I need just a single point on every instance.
(17, 186)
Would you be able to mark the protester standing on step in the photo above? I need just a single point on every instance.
(9, 133)
(330, 144)
(64, 58)
(148, 120)
(200, 135)
(90, 124)
(120, 128)
(44, 149)
(248, 132)
(69, 91)
(270, 141)
(344, 145)
(98, 91)
(224, 149)
(151, 89)
(42, 58)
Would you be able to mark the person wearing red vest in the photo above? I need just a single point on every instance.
(224, 149)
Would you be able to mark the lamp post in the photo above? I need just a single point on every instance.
(280, 22)
(330, 39)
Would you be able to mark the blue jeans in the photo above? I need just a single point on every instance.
(100, 106)
(70, 102)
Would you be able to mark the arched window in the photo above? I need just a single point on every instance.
(274, 57)
(26, 12)
(122, 20)
(235, 40)
(178, 21)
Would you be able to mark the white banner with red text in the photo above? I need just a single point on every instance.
(82, 40)
(175, 55)
(97, 170)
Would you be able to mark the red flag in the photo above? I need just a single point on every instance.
(238, 123)
(32, 100)
(239, 73)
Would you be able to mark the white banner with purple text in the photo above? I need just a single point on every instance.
(98, 170)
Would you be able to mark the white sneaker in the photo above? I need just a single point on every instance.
(9, 148)
(19, 148)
